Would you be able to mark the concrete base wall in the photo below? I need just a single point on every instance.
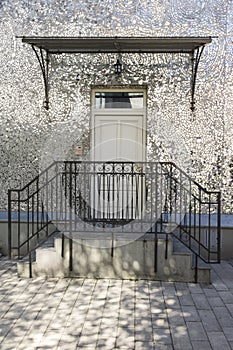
(130, 260)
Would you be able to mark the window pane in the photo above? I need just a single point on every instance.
(118, 99)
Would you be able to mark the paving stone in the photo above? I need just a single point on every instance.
(175, 317)
(144, 335)
(162, 335)
(161, 346)
(226, 296)
(186, 300)
(195, 288)
(106, 343)
(139, 345)
(180, 338)
(201, 345)
(200, 301)
(218, 341)
(215, 301)
(87, 340)
(230, 308)
(209, 321)
(228, 332)
(223, 316)
(190, 313)
(63, 345)
(196, 331)
(159, 320)
(108, 332)
(143, 322)
(122, 341)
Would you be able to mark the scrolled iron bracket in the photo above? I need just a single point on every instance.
(43, 59)
(195, 59)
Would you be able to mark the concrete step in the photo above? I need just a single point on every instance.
(121, 256)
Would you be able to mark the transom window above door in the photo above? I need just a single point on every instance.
(119, 99)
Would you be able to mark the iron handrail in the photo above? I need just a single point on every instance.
(64, 186)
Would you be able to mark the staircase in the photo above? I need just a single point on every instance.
(115, 220)
(117, 258)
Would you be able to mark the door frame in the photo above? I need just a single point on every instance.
(118, 112)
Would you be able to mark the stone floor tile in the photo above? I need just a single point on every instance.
(230, 308)
(160, 346)
(201, 345)
(228, 332)
(218, 341)
(144, 335)
(200, 301)
(180, 338)
(195, 288)
(122, 341)
(146, 345)
(223, 316)
(226, 296)
(186, 300)
(175, 317)
(159, 320)
(143, 322)
(215, 301)
(88, 340)
(196, 331)
(190, 313)
(106, 343)
(126, 322)
(63, 345)
(209, 321)
(162, 335)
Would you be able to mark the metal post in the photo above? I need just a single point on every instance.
(219, 228)
(9, 225)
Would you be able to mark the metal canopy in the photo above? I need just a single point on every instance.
(54, 45)
(45, 46)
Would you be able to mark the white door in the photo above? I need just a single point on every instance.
(118, 138)
(118, 144)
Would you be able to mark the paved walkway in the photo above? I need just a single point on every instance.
(114, 314)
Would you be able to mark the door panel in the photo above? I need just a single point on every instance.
(118, 138)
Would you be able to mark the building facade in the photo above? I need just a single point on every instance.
(199, 141)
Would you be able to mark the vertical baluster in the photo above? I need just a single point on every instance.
(200, 221)
(70, 199)
(28, 219)
(9, 224)
(56, 193)
(19, 222)
(219, 227)
(209, 226)
(37, 207)
(47, 203)
(32, 213)
(75, 196)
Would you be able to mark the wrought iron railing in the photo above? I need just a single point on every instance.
(121, 197)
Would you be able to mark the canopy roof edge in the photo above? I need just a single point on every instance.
(56, 45)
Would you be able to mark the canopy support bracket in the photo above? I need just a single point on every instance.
(196, 56)
(43, 59)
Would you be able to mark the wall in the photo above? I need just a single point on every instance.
(32, 137)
